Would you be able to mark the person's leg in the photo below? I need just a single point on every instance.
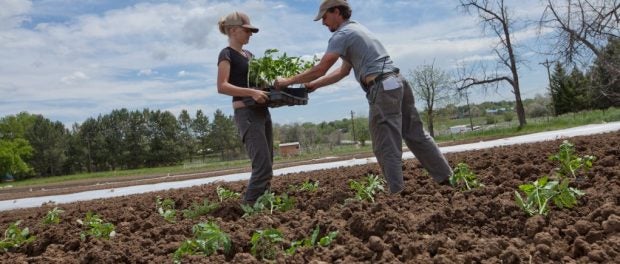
(252, 128)
(419, 142)
(385, 123)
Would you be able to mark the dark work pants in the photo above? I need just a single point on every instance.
(392, 118)
(255, 128)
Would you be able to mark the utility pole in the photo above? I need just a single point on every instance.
(547, 65)
(353, 126)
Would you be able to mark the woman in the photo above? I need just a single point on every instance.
(253, 123)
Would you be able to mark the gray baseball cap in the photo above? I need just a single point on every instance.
(327, 4)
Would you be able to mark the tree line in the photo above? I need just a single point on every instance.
(34, 146)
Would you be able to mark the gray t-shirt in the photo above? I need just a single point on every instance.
(358, 46)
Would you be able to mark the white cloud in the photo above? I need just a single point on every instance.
(146, 72)
(74, 77)
(13, 12)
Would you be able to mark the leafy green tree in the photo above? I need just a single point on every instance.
(114, 128)
(77, 160)
(561, 91)
(605, 80)
(362, 132)
(49, 141)
(201, 129)
(164, 144)
(224, 137)
(12, 154)
(15, 126)
(186, 136)
(90, 136)
(137, 139)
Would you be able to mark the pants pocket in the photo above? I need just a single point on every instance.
(389, 102)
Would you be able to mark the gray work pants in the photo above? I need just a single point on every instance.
(393, 117)
(255, 129)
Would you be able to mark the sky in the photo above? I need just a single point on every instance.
(70, 60)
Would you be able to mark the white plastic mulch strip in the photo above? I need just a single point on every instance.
(114, 192)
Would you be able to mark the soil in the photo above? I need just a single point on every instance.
(426, 223)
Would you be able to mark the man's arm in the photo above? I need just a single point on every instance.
(331, 78)
(312, 74)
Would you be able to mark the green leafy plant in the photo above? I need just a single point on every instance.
(263, 71)
(96, 227)
(53, 216)
(312, 241)
(14, 237)
(539, 193)
(367, 188)
(208, 239)
(266, 243)
(570, 163)
(269, 201)
(225, 194)
(306, 186)
(196, 209)
(165, 208)
(464, 178)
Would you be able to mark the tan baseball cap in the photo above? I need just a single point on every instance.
(327, 4)
(237, 19)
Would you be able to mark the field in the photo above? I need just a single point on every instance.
(426, 223)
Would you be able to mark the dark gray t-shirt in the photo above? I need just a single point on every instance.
(238, 67)
(358, 46)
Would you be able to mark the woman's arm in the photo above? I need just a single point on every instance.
(224, 87)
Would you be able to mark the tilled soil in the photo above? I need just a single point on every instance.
(426, 223)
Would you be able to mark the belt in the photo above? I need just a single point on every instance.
(371, 80)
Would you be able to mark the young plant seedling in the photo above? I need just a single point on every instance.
(464, 179)
(208, 239)
(165, 208)
(269, 201)
(570, 163)
(96, 227)
(52, 216)
(306, 186)
(312, 241)
(196, 209)
(225, 194)
(266, 243)
(263, 71)
(539, 193)
(367, 188)
(14, 237)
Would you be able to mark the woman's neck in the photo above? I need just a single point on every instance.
(236, 46)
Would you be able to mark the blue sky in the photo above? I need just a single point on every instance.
(74, 59)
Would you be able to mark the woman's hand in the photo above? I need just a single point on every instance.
(260, 96)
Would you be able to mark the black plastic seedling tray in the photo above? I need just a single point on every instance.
(283, 97)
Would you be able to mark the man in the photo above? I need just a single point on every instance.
(393, 115)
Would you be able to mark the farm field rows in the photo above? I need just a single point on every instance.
(426, 223)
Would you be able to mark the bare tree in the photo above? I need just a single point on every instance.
(494, 16)
(462, 91)
(583, 28)
(431, 85)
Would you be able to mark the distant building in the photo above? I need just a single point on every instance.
(289, 149)
(462, 129)
(497, 111)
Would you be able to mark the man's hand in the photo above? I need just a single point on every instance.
(310, 87)
(281, 82)
(260, 96)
